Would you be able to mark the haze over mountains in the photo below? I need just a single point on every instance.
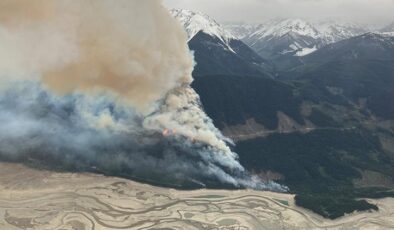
(320, 116)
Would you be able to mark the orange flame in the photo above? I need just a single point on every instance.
(168, 132)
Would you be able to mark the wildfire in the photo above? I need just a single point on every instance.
(168, 132)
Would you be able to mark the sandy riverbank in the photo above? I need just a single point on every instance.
(35, 199)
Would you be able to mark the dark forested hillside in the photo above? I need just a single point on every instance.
(214, 56)
(231, 100)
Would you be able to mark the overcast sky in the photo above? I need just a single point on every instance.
(373, 12)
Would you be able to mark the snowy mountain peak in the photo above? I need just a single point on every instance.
(332, 31)
(194, 22)
(279, 28)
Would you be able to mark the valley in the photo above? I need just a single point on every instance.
(319, 120)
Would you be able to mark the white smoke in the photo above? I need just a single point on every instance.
(96, 83)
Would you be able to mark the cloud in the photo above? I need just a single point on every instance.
(376, 12)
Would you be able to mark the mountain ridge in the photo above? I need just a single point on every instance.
(285, 40)
(216, 50)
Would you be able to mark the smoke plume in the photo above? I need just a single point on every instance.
(104, 86)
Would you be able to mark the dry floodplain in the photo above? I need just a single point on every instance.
(39, 199)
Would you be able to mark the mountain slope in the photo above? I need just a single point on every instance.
(216, 50)
(212, 57)
(370, 46)
(231, 100)
(359, 69)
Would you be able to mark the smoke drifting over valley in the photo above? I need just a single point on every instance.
(104, 85)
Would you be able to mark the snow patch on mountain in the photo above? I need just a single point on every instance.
(305, 51)
(390, 34)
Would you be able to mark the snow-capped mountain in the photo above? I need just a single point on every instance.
(294, 37)
(216, 50)
(328, 31)
(333, 31)
(279, 28)
(194, 22)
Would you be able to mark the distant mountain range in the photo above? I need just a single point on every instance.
(310, 105)
(284, 41)
(216, 50)
(323, 32)
(262, 48)
(372, 46)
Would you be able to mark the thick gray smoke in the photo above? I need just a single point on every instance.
(104, 86)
